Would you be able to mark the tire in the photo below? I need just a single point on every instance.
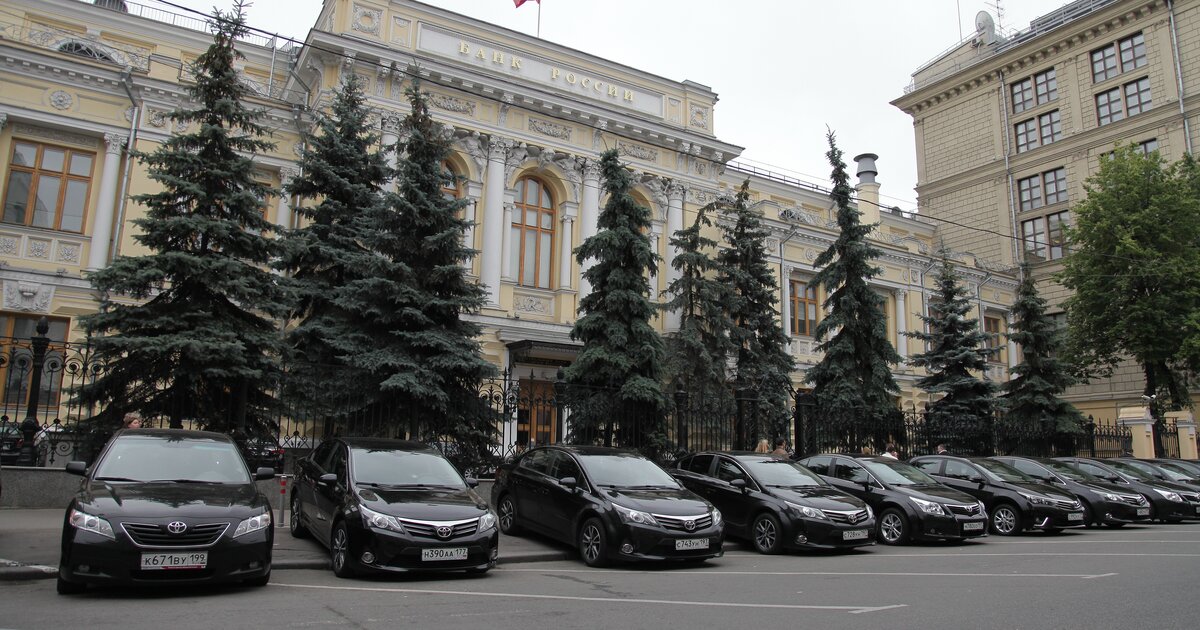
(295, 526)
(1089, 516)
(262, 580)
(766, 534)
(893, 527)
(70, 588)
(339, 551)
(506, 514)
(593, 543)
(1006, 520)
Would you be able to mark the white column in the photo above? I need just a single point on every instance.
(675, 193)
(506, 243)
(589, 214)
(785, 304)
(493, 218)
(564, 251)
(1012, 345)
(102, 224)
(471, 214)
(901, 323)
(283, 209)
(391, 135)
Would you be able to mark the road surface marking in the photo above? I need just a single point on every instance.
(825, 573)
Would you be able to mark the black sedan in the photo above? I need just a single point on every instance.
(391, 506)
(1104, 503)
(166, 506)
(1172, 491)
(777, 504)
(1014, 501)
(1163, 472)
(263, 452)
(1166, 504)
(1187, 468)
(909, 503)
(611, 504)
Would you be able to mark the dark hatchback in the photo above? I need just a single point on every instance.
(166, 506)
(611, 504)
(777, 504)
(908, 503)
(1015, 502)
(383, 505)
(1104, 503)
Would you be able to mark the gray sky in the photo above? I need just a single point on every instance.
(783, 69)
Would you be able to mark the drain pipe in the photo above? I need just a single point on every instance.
(1187, 128)
(134, 124)
(1008, 178)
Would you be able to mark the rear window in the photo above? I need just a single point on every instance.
(145, 458)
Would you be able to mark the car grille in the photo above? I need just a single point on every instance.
(1189, 497)
(852, 518)
(679, 523)
(440, 530)
(965, 510)
(149, 535)
(1133, 499)
(1065, 504)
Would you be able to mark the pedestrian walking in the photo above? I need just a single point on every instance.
(781, 449)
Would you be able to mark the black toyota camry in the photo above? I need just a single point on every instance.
(166, 506)
(390, 506)
(612, 504)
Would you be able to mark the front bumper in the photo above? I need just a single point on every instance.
(387, 551)
(1046, 517)
(953, 527)
(1122, 512)
(648, 543)
(814, 533)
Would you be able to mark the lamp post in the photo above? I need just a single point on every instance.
(30, 426)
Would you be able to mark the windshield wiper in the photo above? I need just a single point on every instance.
(184, 481)
(401, 486)
(118, 479)
(651, 487)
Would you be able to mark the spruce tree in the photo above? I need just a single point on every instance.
(344, 170)
(412, 292)
(697, 352)
(1034, 396)
(962, 402)
(616, 379)
(204, 344)
(762, 355)
(853, 383)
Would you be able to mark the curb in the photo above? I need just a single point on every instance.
(27, 572)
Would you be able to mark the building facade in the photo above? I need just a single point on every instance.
(1008, 128)
(85, 83)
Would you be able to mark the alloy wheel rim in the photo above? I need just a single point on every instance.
(1005, 520)
(891, 527)
(591, 543)
(339, 549)
(506, 514)
(764, 534)
(293, 523)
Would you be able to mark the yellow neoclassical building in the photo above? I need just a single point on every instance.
(84, 83)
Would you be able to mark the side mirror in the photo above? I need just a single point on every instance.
(975, 479)
(472, 482)
(740, 484)
(868, 485)
(77, 468)
(570, 483)
(263, 473)
(327, 479)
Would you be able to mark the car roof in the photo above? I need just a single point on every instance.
(388, 444)
(580, 449)
(175, 434)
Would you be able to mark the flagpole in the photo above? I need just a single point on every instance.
(539, 27)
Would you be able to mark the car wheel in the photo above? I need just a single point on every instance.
(768, 535)
(893, 527)
(593, 543)
(295, 526)
(339, 551)
(262, 580)
(1089, 519)
(507, 514)
(1006, 520)
(70, 588)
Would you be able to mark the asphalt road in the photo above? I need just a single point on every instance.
(1142, 577)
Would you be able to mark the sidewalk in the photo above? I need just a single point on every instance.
(30, 540)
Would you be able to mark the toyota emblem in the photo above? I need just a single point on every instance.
(177, 527)
(444, 531)
(689, 525)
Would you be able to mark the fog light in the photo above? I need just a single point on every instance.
(801, 539)
(627, 548)
(495, 552)
(254, 565)
(83, 568)
(368, 557)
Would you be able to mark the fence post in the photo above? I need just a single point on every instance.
(681, 418)
(560, 407)
(1090, 428)
(739, 428)
(31, 425)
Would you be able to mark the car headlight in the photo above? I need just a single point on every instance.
(487, 521)
(982, 508)
(1108, 496)
(89, 523)
(716, 517)
(929, 507)
(1170, 496)
(253, 524)
(1036, 500)
(375, 520)
(870, 512)
(809, 512)
(629, 515)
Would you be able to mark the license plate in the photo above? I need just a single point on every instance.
(190, 560)
(1198, 509)
(1075, 516)
(854, 534)
(970, 527)
(691, 543)
(451, 553)
(1143, 511)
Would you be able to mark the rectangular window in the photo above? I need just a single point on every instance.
(1046, 86)
(804, 308)
(1137, 96)
(1030, 190)
(1055, 185)
(1022, 95)
(1104, 63)
(1125, 56)
(1055, 237)
(1050, 126)
(1043, 238)
(994, 327)
(1149, 146)
(1033, 235)
(1133, 52)
(1108, 107)
(17, 330)
(48, 186)
(1027, 135)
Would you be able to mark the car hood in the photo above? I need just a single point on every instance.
(424, 504)
(667, 501)
(820, 497)
(1042, 489)
(166, 499)
(1173, 486)
(1104, 486)
(937, 494)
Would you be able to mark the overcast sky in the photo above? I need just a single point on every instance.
(783, 69)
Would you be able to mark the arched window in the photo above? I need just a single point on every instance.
(84, 50)
(532, 234)
(450, 188)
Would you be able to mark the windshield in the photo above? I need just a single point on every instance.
(388, 467)
(1002, 472)
(625, 471)
(1158, 470)
(1069, 472)
(778, 472)
(1131, 471)
(1182, 473)
(147, 458)
(898, 474)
